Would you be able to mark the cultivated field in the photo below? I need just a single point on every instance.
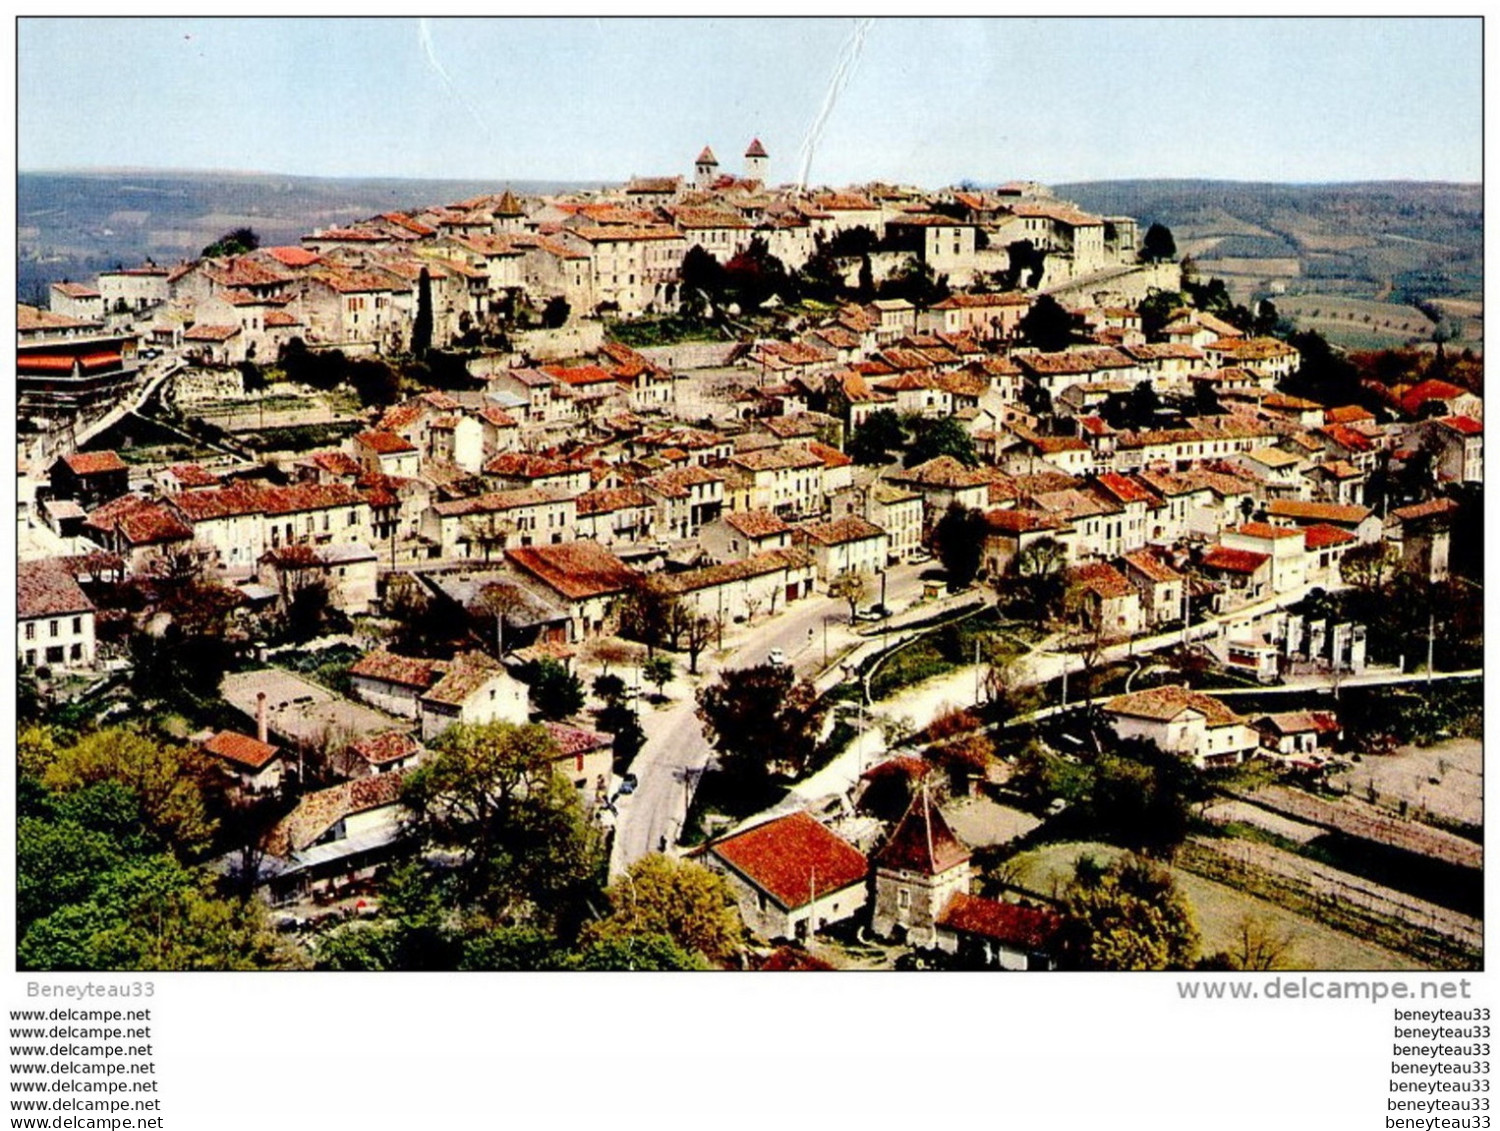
(1358, 323)
(1220, 910)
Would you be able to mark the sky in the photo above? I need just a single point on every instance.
(835, 101)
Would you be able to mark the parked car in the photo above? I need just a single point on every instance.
(627, 785)
(776, 658)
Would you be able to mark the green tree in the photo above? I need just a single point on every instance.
(57, 863)
(556, 693)
(514, 949)
(1156, 310)
(1128, 916)
(610, 688)
(851, 587)
(876, 438)
(659, 671)
(167, 780)
(941, 436)
(679, 899)
(1038, 576)
(491, 794)
(421, 327)
(1158, 245)
(155, 914)
(958, 539)
(754, 716)
(1047, 326)
(555, 313)
(239, 241)
(637, 953)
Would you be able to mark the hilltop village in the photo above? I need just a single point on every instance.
(951, 528)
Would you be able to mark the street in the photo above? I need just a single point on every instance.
(675, 752)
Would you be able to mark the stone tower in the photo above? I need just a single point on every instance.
(707, 169)
(756, 162)
(918, 871)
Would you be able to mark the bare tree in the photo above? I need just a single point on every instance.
(499, 600)
(852, 587)
(699, 631)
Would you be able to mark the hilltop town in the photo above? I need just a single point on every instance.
(901, 575)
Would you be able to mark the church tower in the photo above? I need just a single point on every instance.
(707, 169)
(756, 162)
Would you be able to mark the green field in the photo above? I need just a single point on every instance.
(1356, 323)
(1220, 910)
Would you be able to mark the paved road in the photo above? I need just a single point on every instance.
(675, 753)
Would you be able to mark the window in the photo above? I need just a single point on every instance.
(76, 652)
(30, 630)
(55, 654)
(77, 624)
(903, 897)
(31, 657)
(51, 628)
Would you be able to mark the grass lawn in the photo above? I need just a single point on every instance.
(1219, 910)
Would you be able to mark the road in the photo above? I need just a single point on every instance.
(675, 753)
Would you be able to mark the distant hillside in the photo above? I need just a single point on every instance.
(72, 225)
(1387, 240)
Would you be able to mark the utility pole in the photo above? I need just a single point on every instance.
(1430, 625)
(976, 671)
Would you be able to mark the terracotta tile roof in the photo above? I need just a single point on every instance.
(1321, 536)
(384, 443)
(1233, 561)
(525, 465)
(1074, 362)
(1318, 512)
(580, 375)
(572, 741)
(94, 463)
(1463, 425)
(1103, 579)
(1019, 521)
(610, 500)
(1429, 390)
(192, 475)
(1266, 531)
(492, 502)
(757, 565)
(1347, 437)
(1166, 703)
(577, 570)
(380, 749)
(922, 842)
(241, 749)
(498, 417)
(48, 588)
(388, 667)
(1429, 509)
(756, 524)
(461, 678)
(1123, 489)
(292, 256)
(678, 483)
(1010, 924)
(841, 531)
(75, 290)
(831, 457)
(200, 332)
(318, 811)
(246, 498)
(943, 471)
(241, 271)
(32, 318)
(793, 859)
(1152, 566)
(776, 459)
(140, 522)
(334, 462)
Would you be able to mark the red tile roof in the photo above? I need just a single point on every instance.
(1166, 703)
(94, 463)
(385, 443)
(922, 842)
(1010, 924)
(241, 749)
(1464, 425)
(841, 531)
(1103, 579)
(48, 588)
(1322, 535)
(756, 524)
(577, 570)
(388, 667)
(793, 859)
(1430, 390)
(1234, 561)
(380, 749)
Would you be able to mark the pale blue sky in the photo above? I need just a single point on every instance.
(924, 101)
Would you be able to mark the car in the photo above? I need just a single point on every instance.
(776, 658)
(627, 785)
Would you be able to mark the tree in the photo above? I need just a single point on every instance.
(1259, 944)
(375, 382)
(958, 539)
(421, 327)
(1128, 916)
(491, 795)
(756, 716)
(658, 670)
(1038, 573)
(1141, 796)
(1156, 310)
(555, 313)
(679, 899)
(941, 436)
(852, 587)
(699, 631)
(702, 276)
(499, 601)
(648, 613)
(636, 953)
(610, 688)
(556, 693)
(1158, 244)
(166, 780)
(1047, 326)
(155, 914)
(239, 241)
(1371, 566)
(876, 438)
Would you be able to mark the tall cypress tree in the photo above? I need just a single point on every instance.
(421, 331)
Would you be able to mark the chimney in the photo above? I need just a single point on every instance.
(260, 716)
